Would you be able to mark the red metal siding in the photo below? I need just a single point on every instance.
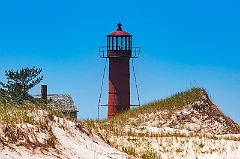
(119, 85)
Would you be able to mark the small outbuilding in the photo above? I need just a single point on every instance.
(63, 102)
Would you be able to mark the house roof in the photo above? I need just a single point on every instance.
(60, 101)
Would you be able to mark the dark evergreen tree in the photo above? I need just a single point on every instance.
(20, 82)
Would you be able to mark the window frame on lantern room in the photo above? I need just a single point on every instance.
(115, 43)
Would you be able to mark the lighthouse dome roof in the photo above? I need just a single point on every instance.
(119, 31)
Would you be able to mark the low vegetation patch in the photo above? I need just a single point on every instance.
(21, 122)
(173, 103)
(126, 131)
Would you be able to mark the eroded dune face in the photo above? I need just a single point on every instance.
(65, 139)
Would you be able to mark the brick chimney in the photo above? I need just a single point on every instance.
(43, 91)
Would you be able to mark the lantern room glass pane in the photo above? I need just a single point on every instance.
(114, 43)
(108, 43)
(119, 43)
(124, 43)
(127, 43)
(130, 43)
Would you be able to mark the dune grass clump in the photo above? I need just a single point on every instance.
(149, 154)
(26, 111)
(13, 112)
(21, 121)
(129, 150)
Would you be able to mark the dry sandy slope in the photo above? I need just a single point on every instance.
(72, 144)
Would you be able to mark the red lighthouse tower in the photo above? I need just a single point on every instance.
(119, 51)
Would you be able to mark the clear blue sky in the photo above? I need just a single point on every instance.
(184, 44)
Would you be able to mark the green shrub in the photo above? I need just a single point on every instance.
(149, 154)
(129, 150)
